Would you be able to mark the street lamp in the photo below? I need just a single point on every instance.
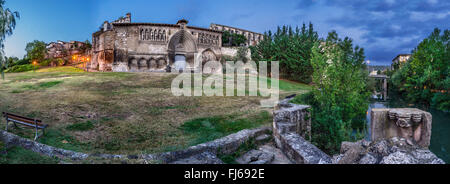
(34, 63)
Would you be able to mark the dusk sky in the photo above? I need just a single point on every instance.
(384, 28)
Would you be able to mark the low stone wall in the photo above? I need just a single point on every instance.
(292, 123)
(10, 139)
(225, 145)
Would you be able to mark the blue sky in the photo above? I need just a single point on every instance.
(384, 28)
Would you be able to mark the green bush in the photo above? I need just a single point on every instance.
(233, 39)
(304, 99)
(22, 62)
(21, 68)
(340, 96)
(46, 62)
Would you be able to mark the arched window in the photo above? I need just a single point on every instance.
(157, 33)
(146, 34)
(151, 36)
(164, 35)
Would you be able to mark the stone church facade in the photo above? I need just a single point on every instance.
(125, 46)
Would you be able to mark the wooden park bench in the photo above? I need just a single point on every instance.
(27, 122)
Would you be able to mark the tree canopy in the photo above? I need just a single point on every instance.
(7, 25)
(340, 96)
(292, 48)
(36, 50)
(425, 78)
(233, 39)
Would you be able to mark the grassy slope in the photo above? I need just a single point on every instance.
(125, 112)
(17, 155)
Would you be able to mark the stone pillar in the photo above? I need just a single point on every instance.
(292, 130)
(385, 89)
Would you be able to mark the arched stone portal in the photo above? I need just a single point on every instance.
(180, 63)
(132, 64)
(208, 55)
(162, 63)
(142, 66)
(181, 49)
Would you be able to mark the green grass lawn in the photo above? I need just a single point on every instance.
(125, 113)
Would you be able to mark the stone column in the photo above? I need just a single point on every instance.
(385, 88)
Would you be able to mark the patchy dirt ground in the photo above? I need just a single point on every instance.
(121, 113)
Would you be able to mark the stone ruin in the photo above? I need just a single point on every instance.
(291, 128)
(399, 136)
(414, 125)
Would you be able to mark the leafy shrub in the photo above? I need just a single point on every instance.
(46, 62)
(340, 95)
(21, 68)
(304, 99)
(21, 62)
(233, 39)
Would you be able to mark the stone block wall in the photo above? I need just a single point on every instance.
(291, 128)
(232, 51)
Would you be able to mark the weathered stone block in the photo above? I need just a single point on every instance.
(291, 126)
(414, 125)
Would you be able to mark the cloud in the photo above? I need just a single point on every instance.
(426, 16)
(384, 28)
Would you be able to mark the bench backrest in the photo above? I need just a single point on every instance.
(22, 119)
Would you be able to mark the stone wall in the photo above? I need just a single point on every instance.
(225, 145)
(292, 124)
(232, 51)
(125, 46)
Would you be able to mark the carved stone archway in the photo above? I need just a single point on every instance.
(208, 55)
(182, 43)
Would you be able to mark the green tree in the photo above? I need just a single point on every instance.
(36, 51)
(11, 60)
(340, 94)
(7, 25)
(233, 39)
(292, 48)
(241, 54)
(425, 78)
